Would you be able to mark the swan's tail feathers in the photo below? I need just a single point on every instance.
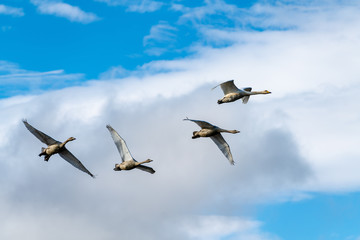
(42, 152)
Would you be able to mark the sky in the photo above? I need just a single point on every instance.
(142, 66)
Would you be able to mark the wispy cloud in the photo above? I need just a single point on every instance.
(162, 32)
(6, 28)
(205, 14)
(160, 39)
(61, 9)
(14, 80)
(140, 6)
(7, 10)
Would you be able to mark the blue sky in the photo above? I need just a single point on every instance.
(71, 67)
(113, 36)
(321, 217)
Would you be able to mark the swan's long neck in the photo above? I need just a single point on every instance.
(228, 131)
(146, 161)
(259, 92)
(67, 140)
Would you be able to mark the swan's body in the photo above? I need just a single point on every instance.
(212, 131)
(54, 146)
(232, 93)
(128, 162)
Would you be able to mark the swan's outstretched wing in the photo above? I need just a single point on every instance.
(40, 135)
(223, 146)
(248, 89)
(146, 169)
(245, 99)
(120, 144)
(70, 158)
(228, 87)
(202, 124)
(245, 94)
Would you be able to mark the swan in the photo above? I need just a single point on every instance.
(212, 131)
(128, 162)
(54, 146)
(232, 93)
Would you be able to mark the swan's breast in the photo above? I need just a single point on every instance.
(52, 149)
(127, 165)
(234, 96)
(207, 132)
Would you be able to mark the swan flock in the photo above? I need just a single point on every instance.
(208, 130)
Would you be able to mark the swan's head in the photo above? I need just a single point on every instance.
(266, 92)
(117, 167)
(71, 139)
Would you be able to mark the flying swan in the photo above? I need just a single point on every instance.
(232, 93)
(128, 162)
(209, 130)
(54, 146)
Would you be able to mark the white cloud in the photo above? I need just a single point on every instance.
(223, 227)
(140, 6)
(60, 9)
(190, 174)
(7, 10)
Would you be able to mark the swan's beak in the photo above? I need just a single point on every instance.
(117, 169)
